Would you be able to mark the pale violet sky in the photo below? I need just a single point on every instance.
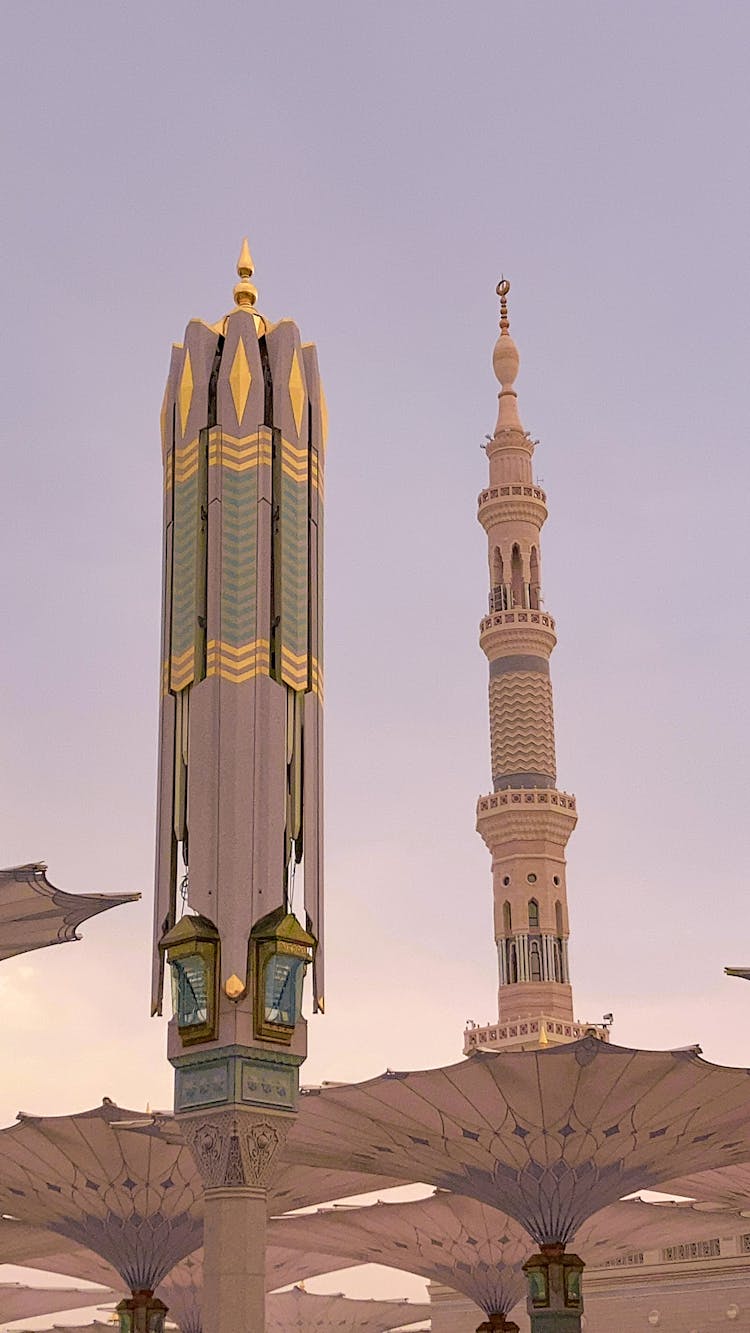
(388, 162)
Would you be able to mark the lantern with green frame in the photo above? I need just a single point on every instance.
(192, 949)
(141, 1313)
(280, 952)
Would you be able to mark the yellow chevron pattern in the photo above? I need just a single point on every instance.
(522, 728)
(294, 669)
(239, 454)
(316, 472)
(240, 664)
(316, 673)
(186, 461)
(181, 669)
(294, 461)
(237, 664)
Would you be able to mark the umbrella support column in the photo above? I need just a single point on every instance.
(554, 1301)
(234, 1266)
(237, 1151)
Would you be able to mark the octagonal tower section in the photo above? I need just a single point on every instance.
(526, 820)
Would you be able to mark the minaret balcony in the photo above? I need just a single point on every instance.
(521, 630)
(538, 814)
(528, 1033)
(517, 502)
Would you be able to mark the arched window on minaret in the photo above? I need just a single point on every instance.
(499, 598)
(516, 576)
(512, 962)
(535, 961)
(558, 942)
(536, 591)
(533, 914)
(558, 961)
(507, 922)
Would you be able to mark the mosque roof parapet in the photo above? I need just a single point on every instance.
(551, 1135)
(34, 914)
(300, 1311)
(671, 1310)
(544, 1028)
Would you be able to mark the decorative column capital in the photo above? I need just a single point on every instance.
(497, 1323)
(236, 1148)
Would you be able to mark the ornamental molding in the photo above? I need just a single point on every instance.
(235, 1148)
(526, 814)
(503, 633)
(510, 438)
(512, 509)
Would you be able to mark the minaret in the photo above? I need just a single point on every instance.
(526, 821)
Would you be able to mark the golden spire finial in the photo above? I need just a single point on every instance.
(502, 289)
(245, 294)
(505, 364)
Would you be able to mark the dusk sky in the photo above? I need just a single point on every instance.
(388, 162)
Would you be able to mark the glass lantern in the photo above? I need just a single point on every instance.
(280, 953)
(192, 949)
(141, 1313)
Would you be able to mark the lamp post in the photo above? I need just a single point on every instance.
(141, 1313)
(554, 1301)
(497, 1323)
(240, 767)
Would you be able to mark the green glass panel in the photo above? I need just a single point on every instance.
(283, 989)
(190, 991)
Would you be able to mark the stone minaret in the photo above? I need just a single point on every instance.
(526, 821)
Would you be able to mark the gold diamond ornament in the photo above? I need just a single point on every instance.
(234, 987)
(297, 390)
(240, 379)
(185, 393)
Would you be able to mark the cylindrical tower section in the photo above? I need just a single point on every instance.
(526, 821)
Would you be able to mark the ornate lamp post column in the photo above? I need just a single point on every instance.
(241, 741)
(554, 1300)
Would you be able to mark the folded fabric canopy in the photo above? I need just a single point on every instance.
(34, 914)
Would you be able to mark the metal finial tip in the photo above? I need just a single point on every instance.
(502, 289)
(245, 266)
(245, 294)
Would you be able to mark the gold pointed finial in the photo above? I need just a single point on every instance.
(502, 289)
(245, 294)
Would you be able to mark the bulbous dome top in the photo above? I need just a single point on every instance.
(505, 358)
